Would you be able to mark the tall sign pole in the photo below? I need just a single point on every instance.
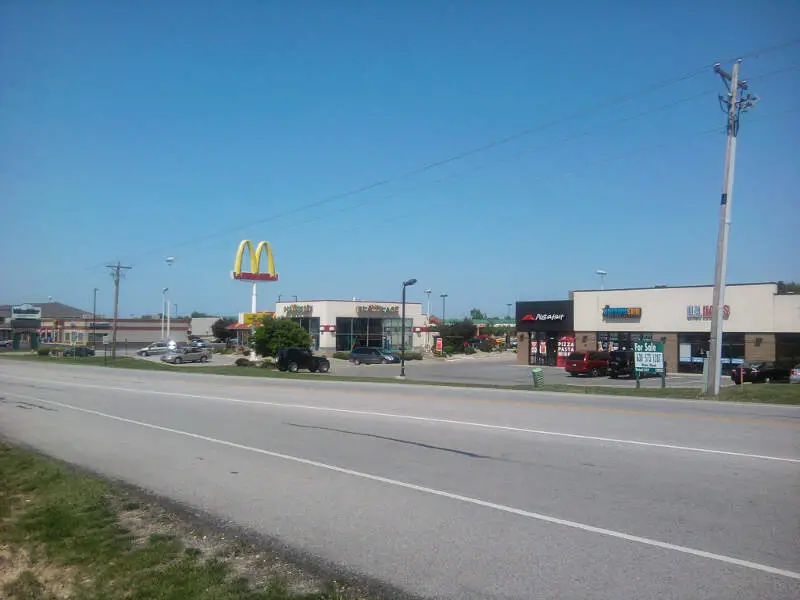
(737, 100)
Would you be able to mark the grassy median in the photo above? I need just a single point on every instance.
(68, 535)
(778, 393)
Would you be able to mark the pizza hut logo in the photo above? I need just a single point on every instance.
(544, 317)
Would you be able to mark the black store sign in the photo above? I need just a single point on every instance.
(548, 315)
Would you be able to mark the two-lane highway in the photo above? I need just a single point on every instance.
(446, 492)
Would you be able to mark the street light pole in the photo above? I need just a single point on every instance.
(443, 296)
(163, 311)
(94, 318)
(508, 311)
(169, 260)
(403, 329)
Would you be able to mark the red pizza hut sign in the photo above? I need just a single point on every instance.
(544, 317)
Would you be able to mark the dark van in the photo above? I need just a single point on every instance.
(621, 363)
(593, 364)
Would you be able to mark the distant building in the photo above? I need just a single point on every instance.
(201, 327)
(57, 323)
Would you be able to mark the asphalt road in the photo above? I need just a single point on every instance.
(449, 492)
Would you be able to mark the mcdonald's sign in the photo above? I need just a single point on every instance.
(255, 273)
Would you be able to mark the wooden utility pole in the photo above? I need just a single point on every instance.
(116, 273)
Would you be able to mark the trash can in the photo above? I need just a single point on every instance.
(538, 377)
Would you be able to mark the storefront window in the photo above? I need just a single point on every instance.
(374, 333)
(787, 349)
(614, 340)
(693, 348)
(311, 325)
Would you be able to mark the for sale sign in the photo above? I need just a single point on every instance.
(649, 356)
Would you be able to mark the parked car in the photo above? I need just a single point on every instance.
(759, 372)
(79, 351)
(593, 364)
(372, 356)
(794, 376)
(154, 348)
(199, 344)
(6, 343)
(187, 354)
(294, 359)
(621, 363)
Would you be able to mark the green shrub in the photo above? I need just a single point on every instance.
(43, 352)
(243, 362)
(412, 355)
(469, 350)
(268, 364)
(341, 355)
(486, 346)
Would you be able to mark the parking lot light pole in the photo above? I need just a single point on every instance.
(443, 297)
(163, 310)
(403, 329)
(94, 319)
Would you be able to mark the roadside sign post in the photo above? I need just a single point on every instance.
(649, 358)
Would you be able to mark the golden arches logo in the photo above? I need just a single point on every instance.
(255, 263)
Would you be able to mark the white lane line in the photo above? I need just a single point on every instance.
(431, 420)
(432, 491)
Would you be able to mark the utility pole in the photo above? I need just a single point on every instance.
(737, 101)
(116, 273)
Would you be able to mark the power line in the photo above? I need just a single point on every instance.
(453, 158)
(482, 148)
(484, 166)
(623, 155)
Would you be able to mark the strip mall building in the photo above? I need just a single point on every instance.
(761, 323)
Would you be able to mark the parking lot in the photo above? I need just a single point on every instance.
(492, 369)
(501, 369)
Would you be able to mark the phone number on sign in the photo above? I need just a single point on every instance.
(649, 360)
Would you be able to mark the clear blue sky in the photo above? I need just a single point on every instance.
(139, 130)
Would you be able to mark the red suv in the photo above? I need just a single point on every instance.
(593, 364)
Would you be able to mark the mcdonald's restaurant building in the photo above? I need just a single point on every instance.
(761, 321)
(341, 325)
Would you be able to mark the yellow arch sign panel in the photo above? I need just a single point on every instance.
(255, 273)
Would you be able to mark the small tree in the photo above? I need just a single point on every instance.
(277, 333)
(220, 331)
(456, 334)
(477, 314)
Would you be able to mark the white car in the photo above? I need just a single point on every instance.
(794, 375)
